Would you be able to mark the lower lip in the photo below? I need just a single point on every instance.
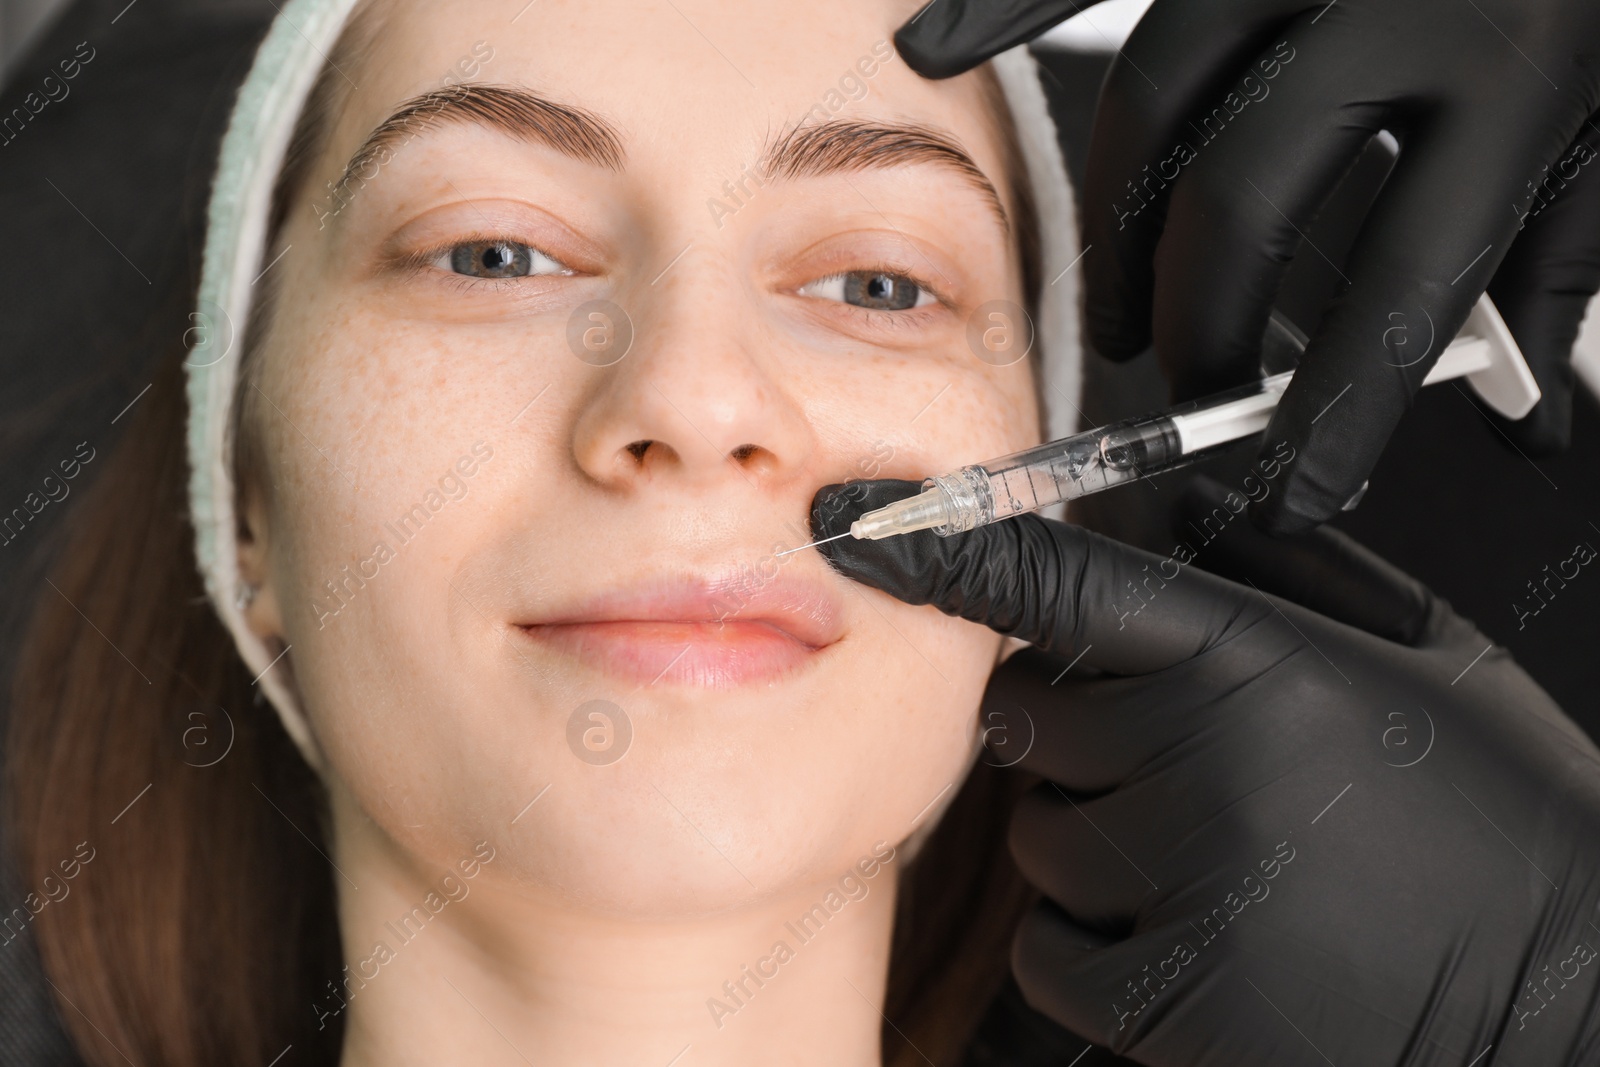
(706, 654)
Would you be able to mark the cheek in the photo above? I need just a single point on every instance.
(377, 435)
(925, 414)
(370, 434)
(926, 678)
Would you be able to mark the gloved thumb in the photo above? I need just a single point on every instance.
(1061, 587)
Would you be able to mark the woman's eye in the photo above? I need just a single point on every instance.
(498, 259)
(874, 290)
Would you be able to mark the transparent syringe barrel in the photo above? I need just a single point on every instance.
(1061, 470)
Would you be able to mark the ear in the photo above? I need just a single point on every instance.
(263, 613)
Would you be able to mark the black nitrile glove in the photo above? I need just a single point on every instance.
(1267, 836)
(1224, 125)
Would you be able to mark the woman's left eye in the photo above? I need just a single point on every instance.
(498, 259)
(874, 290)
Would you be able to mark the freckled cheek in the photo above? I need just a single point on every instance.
(992, 412)
(980, 415)
(359, 419)
(365, 371)
(936, 405)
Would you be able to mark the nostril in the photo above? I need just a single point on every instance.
(639, 448)
(744, 452)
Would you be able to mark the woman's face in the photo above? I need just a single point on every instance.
(544, 396)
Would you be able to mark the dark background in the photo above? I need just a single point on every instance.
(102, 204)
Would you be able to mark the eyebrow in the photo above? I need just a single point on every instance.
(834, 146)
(520, 113)
(842, 146)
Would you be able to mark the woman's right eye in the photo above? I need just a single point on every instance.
(498, 259)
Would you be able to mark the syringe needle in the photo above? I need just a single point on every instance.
(813, 544)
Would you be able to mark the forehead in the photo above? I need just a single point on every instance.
(686, 83)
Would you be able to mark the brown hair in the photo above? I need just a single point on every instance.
(202, 927)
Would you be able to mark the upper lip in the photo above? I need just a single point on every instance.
(805, 609)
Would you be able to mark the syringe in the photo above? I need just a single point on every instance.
(1484, 353)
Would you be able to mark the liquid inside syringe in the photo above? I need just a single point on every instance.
(1090, 462)
(1076, 466)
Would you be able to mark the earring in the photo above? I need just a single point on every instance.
(245, 596)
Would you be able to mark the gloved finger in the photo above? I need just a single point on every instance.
(1239, 211)
(1057, 841)
(1091, 733)
(1058, 586)
(1146, 996)
(1545, 283)
(1047, 953)
(1086, 981)
(1155, 115)
(950, 37)
(1426, 249)
(1322, 569)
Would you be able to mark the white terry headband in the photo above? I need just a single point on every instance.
(264, 115)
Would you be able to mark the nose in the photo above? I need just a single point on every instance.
(701, 397)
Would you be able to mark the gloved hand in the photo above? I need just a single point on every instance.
(1222, 127)
(1267, 836)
